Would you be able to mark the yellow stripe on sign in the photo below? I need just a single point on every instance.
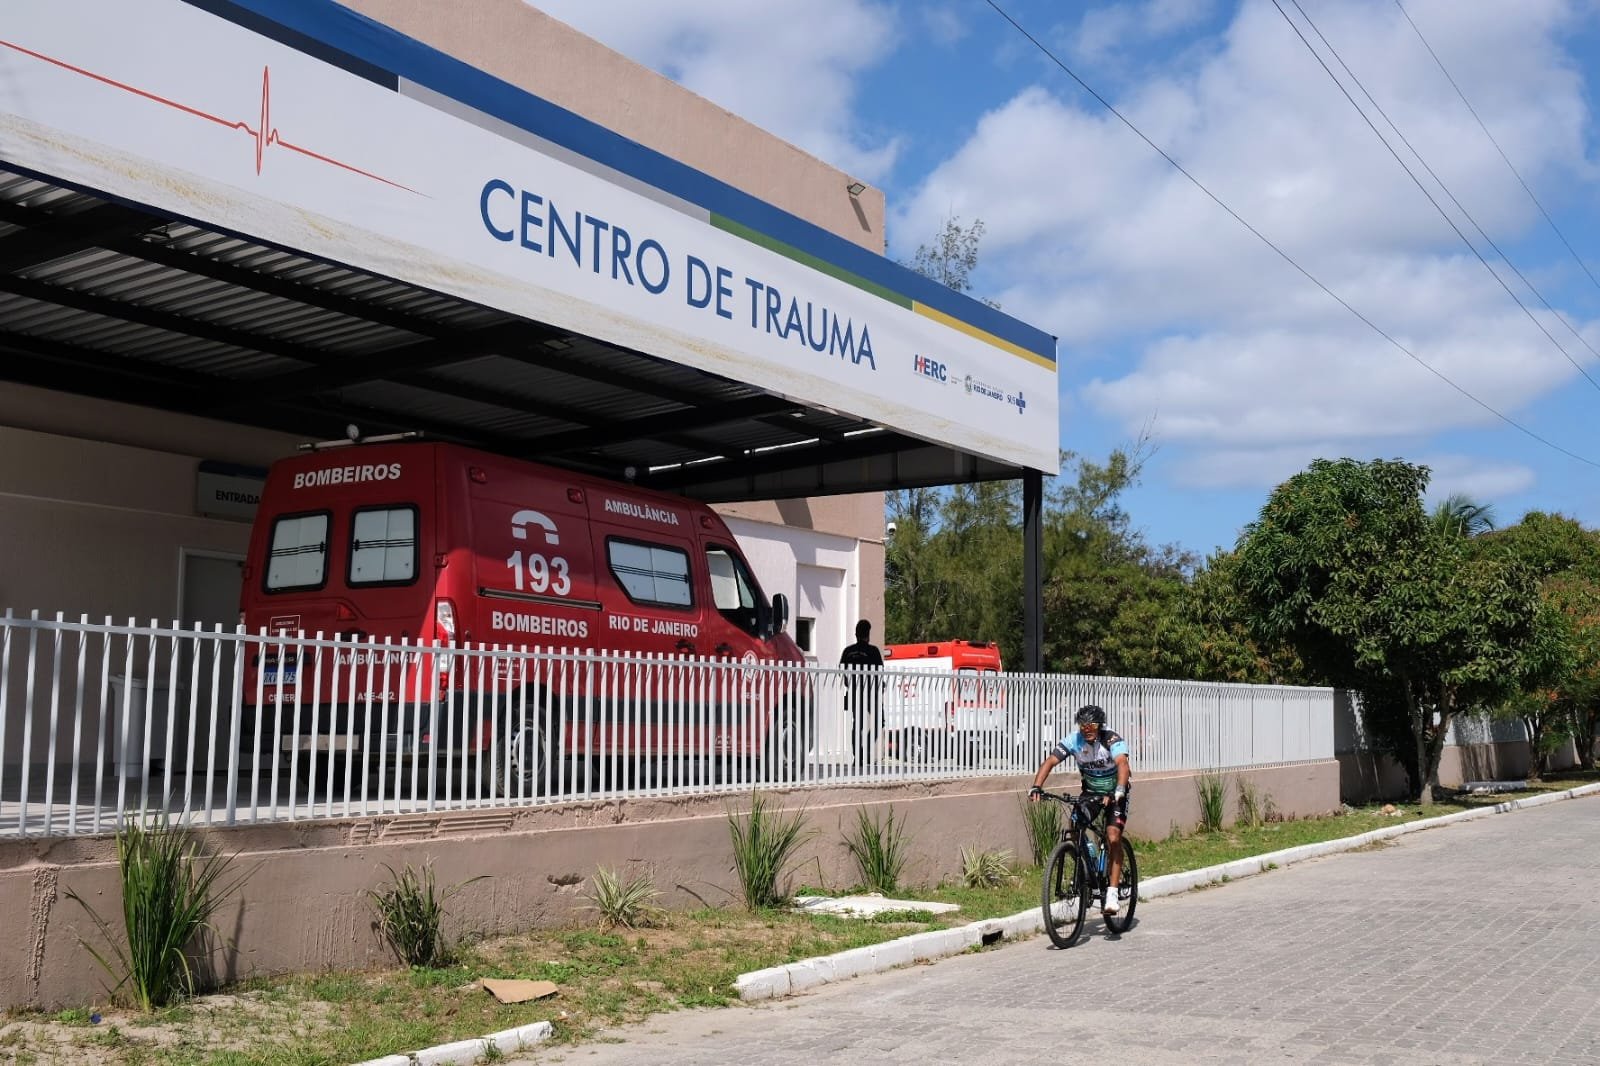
(982, 335)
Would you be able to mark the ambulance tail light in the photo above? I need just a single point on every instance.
(444, 625)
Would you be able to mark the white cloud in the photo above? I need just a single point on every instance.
(760, 62)
(1104, 30)
(944, 23)
(1095, 238)
(1480, 480)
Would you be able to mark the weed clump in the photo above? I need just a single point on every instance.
(1044, 828)
(985, 868)
(1213, 790)
(626, 906)
(765, 844)
(170, 890)
(878, 846)
(410, 914)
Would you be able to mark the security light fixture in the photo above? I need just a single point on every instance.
(855, 188)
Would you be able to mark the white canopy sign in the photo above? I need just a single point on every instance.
(347, 141)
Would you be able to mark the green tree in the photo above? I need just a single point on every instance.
(1560, 673)
(953, 254)
(1577, 697)
(1209, 637)
(1460, 515)
(1345, 566)
(954, 569)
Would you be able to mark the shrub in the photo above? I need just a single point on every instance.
(985, 869)
(410, 914)
(625, 905)
(1255, 807)
(1043, 820)
(169, 893)
(765, 842)
(879, 847)
(1213, 789)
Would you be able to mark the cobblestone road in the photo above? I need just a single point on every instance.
(1475, 943)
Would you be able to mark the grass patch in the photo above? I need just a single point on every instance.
(607, 977)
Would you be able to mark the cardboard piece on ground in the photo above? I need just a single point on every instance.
(508, 991)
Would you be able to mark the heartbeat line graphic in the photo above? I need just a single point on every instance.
(264, 133)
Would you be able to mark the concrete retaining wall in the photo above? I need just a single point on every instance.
(304, 907)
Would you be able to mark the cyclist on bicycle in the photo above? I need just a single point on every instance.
(1102, 758)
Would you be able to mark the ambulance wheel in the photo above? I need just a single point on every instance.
(526, 758)
(788, 741)
(914, 747)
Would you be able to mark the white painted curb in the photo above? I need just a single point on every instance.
(467, 1052)
(778, 981)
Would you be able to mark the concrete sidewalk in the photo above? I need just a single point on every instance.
(778, 981)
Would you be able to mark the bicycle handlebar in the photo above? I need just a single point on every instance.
(1089, 804)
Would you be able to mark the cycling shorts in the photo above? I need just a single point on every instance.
(1118, 814)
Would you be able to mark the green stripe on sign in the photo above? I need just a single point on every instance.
(822, 266)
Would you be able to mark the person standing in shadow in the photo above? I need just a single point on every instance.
(863, 665)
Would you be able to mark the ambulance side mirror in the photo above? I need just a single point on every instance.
(780, 613)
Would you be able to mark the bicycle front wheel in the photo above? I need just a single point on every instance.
(1065, 896)
(1127, 888)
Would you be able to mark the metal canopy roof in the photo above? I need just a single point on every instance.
(110, 300)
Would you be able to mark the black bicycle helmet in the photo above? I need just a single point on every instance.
(1090, 712)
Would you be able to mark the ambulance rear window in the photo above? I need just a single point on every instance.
(298, 557)
(651, 573)
(383, 546)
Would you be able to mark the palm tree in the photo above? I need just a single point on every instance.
(1459, 515)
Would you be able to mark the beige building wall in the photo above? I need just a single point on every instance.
(521, 45)
(98, 502)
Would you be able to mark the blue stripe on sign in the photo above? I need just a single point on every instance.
(299, 41)
(328, 31)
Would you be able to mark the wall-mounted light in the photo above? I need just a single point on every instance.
(855, 188)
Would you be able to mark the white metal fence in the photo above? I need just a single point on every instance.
(1351, 736)
(98, 721)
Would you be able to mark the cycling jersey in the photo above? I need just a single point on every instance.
(1097, 759)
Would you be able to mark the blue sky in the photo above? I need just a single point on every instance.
(1172, 318)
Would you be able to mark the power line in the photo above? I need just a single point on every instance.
(1575, 256)
(1285, 256)
(1418, 182)
(1453, 199)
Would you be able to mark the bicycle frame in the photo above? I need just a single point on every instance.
(1088, 876)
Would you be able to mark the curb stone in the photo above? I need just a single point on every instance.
(467, 1052)
(778, 981)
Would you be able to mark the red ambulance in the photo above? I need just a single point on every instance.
(403, 545)
(943, 700)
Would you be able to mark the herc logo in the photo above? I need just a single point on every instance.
(930, 368)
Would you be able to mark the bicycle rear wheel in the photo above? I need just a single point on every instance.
(1064, 896)
(1128, 883)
